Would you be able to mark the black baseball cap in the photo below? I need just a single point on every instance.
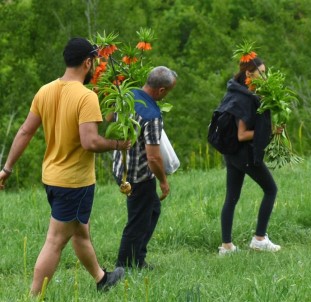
(77, 50)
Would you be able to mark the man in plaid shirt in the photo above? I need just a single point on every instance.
(144, 164)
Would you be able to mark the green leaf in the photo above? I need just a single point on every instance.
(114, 131)
(165, 107)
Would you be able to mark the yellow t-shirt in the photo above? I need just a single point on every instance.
(62, 107)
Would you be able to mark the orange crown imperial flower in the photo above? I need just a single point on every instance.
(98, 71)
(144, 45)
(145, 36)
(106, 44)
(129, 60)
(249, 82)
(107, 50)
(120, 78)
(245, 52)
(248, 57)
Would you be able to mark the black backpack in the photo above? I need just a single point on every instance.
(223, 132)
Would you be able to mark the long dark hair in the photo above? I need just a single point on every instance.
(250, 66)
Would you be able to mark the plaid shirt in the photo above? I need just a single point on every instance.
(150, 121)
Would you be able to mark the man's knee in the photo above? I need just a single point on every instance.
(56, 242)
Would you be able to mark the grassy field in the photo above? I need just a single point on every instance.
(183, 250)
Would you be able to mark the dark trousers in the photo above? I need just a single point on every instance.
(237, 166)
(143, 209)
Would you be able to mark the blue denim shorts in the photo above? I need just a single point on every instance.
(69, 204)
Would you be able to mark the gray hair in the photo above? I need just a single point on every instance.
(161, 76)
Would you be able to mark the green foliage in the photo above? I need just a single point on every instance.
(279, 99)
(193, 37)
(275, 96)
(120, 99)
(18, 82)
(279, 152)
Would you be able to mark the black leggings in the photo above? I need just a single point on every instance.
(237, 167)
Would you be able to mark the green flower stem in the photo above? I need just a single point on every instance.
(114, 73)
(121, 103)
(125, 166)
(119, 65)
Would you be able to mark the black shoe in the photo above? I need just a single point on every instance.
(146, 266)
(110, 279)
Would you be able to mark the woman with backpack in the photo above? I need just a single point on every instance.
(254, 133)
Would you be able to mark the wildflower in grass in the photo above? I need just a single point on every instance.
(25, 259)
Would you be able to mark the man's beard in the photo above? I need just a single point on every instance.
(88, 77)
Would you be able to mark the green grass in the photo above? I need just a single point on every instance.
(183, 249)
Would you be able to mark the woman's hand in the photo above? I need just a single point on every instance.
(243, 133)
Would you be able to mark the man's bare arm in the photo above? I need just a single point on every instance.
(155, 163)
(92, 141)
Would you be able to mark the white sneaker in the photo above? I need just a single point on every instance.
(223, 251)
(264, 245)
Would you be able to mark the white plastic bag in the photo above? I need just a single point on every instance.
(170, 159)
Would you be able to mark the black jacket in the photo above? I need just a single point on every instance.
(243, 104)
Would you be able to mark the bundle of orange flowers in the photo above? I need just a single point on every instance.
(118, 62)
(119, 69)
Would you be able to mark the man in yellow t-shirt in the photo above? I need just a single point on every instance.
(69, 114)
